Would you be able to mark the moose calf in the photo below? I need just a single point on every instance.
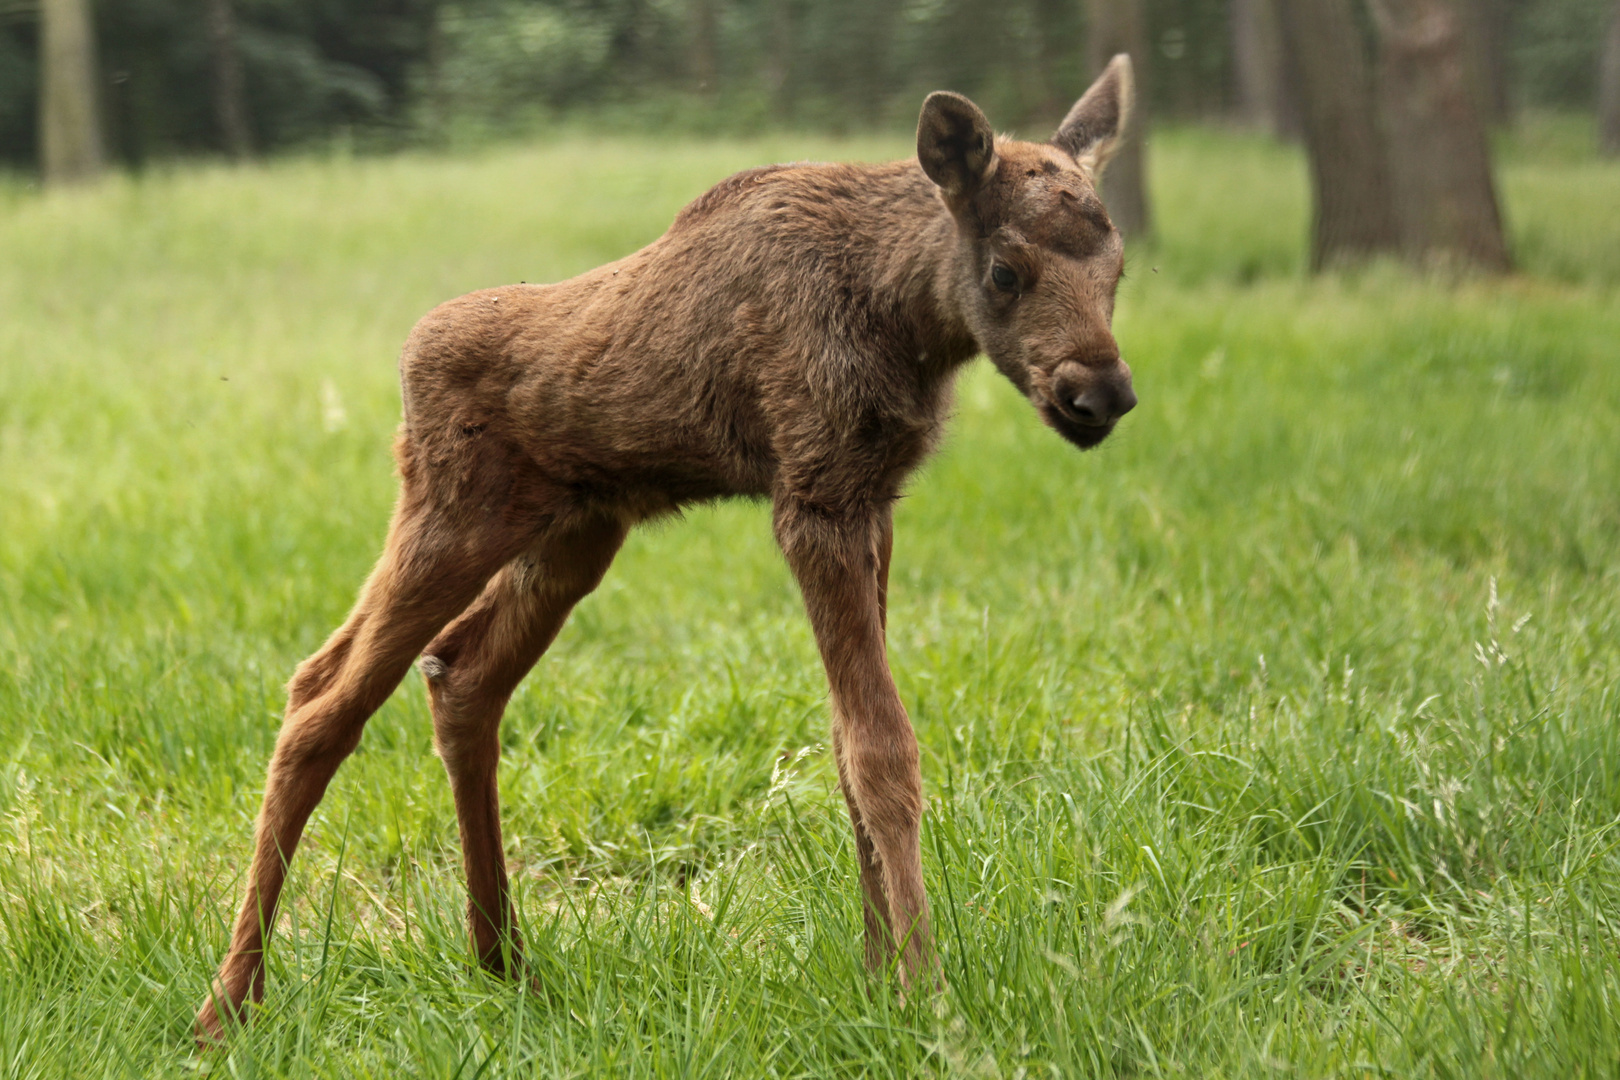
(794, 336)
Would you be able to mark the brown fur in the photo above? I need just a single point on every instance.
(793, 336)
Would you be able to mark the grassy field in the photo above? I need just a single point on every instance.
(1281, 736)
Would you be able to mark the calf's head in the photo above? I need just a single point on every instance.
(1037, 259)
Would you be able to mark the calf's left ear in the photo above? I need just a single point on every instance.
(1096, 125)
(955, 145)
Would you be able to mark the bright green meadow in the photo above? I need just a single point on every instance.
(1280, 736)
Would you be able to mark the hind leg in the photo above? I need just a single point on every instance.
(472, 667)
(428, 573)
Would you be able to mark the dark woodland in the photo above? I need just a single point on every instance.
(178, 77)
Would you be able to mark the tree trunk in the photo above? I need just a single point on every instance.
(1608, 106)
(1353, 217)
(1265, 99)
(1439, 156)
(1485, 32)
(1119, 26)
(706, 46)
(1048, 99)
(230, 110)
(69, 112)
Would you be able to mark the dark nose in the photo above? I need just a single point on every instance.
(1096, 397)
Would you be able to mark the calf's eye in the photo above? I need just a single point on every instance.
(1003, 278)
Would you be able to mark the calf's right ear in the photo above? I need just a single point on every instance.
(1095, 126)
(955, 145)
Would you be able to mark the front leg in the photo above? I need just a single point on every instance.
(840, 560)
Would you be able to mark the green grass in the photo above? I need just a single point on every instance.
(1281, 736)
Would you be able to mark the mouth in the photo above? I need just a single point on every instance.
(1085, 436)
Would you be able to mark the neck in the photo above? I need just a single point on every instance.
(916, 258)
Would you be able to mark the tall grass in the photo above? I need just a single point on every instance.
(1280, 735)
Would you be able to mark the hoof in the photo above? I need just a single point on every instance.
(217, 1015)
(209, 1029)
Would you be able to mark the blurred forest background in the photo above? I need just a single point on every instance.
(184, 77)
(1282, 735)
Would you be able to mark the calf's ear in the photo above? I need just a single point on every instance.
(1096, 125)
(955, 145)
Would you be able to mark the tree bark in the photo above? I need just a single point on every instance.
(1608, 106)
(1119, 26)
(1439, 155)
(69, 110)
(1048, 99)
(1485, 31)
(1353, 217)
(1265, 98)
(230, 108)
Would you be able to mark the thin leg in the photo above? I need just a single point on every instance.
(425, 577)
(874, 902)
(837, 560)
(885, 549)
(472, 667)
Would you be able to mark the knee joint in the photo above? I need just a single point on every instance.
(317, 739)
